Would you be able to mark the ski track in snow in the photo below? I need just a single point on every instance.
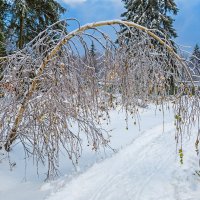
(147, 168)
(141, 171)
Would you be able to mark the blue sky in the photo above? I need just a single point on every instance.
(187, 22)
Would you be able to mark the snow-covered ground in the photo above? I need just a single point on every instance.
(145, 167)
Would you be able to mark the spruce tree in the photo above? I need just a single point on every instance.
(153, 14)
(93, 50)
(29, 17)
(93, 57)
(3, 14)
(4, 9)
(195, 58)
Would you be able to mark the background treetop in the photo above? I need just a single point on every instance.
(27, 18)
(153, 14)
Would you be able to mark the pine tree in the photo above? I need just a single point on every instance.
(153, 14)
(29, 17)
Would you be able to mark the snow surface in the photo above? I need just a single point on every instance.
(145, 167)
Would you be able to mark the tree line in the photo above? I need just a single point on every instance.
(22, 20)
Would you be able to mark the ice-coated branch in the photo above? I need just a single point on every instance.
(58, 90)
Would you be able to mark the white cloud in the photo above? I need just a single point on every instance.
(74, 2)
(77, 2)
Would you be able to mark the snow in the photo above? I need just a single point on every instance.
(145, 167)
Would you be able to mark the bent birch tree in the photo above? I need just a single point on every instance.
(52, 95)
